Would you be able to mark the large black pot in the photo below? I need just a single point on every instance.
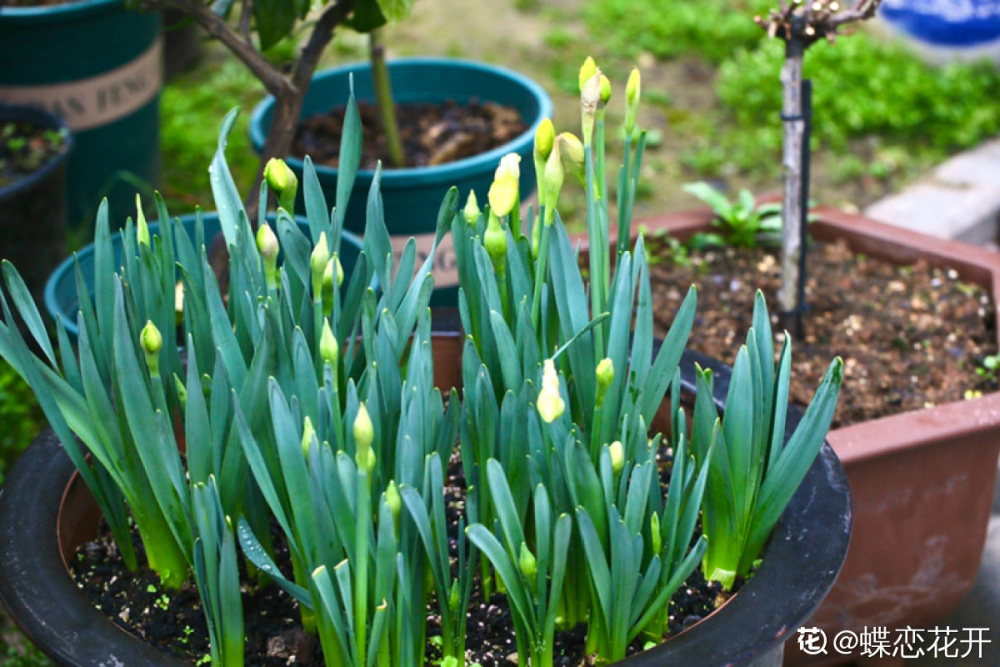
(800, 563)
(33, 210)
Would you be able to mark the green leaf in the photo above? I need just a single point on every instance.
(275, 19)
(395, 10)
(228, 202)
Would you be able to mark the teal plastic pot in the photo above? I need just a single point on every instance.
(412, 197)
(99, 66)
(63, 302)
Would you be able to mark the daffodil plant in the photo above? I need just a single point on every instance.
(296, 404)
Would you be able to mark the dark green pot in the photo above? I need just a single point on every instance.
(33, 209)
(99, 66)
(63, 302)
(412, 197)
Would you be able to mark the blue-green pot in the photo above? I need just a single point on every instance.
(99, 66)
(412, 197)
(63, 302)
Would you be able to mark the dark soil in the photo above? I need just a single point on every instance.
(911, 337)
(25, 148)
(174, 621)
(431, 134)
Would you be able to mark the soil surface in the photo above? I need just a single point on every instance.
(911, 337)
(174, 622)
(431, 134)
(25, 148)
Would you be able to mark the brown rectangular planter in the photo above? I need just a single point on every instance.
(922, 482)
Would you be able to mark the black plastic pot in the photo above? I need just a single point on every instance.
(33, 210)
(800, 565)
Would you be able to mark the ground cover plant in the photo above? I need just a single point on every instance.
(319, 415)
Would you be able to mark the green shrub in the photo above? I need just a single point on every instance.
(20, 417)
(863, 86)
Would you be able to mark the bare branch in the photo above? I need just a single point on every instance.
(321, 35)
(246, 13)
(813, 20)
(273, 80)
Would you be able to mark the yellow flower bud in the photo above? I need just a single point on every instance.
(550, 402)
(267, 244)
(503, 193)
(178, 303)
(573, 155)
(590, 96)
(617, 456)
(545, 136)
(526, 559)
(142, 229)
(587, 70)
(605, 89)
(370, 463)
(495, 242)
(282, 180)
(317, 263)
(307, 435)
(328, 348)
(364, 434)
(632, 94)
(152, 342)
(553, 181)
(471, 211)
(393, 499)
(605, 376)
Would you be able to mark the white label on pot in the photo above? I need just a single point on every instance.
(445, 265)
(98, 100)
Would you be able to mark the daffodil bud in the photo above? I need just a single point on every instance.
(605, 376)
(364, 433)
(587, 70)
(454, 597)
(307, 435)
(328, 348)
(654, 530)
(182, 392)
(142, 229)
(370, 463)
(331, 266)
(545, 137)
(573, 156)
(178, 303)
(526, 559)
(282, 180)
(503, 193)
(553, 181)
(605, 90)
(152, 343)
(617, 456)
(632, 93)
(471, 211)
(393, 499)
(317, 263)
(267, 244)
(550, 402)
(590, 96)
(495, 242)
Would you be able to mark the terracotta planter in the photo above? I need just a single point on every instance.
(922, 482)
(45, 513)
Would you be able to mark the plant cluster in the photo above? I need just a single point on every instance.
(305, 400)
(742, 223)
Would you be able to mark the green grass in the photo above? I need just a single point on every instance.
(880, 113)
(192, 108)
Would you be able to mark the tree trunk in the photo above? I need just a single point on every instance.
(794, 130)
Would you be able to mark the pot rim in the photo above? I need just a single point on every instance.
(67, 268)
(49, 121)
(801, 562)
(65, 13)
(417, 175)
